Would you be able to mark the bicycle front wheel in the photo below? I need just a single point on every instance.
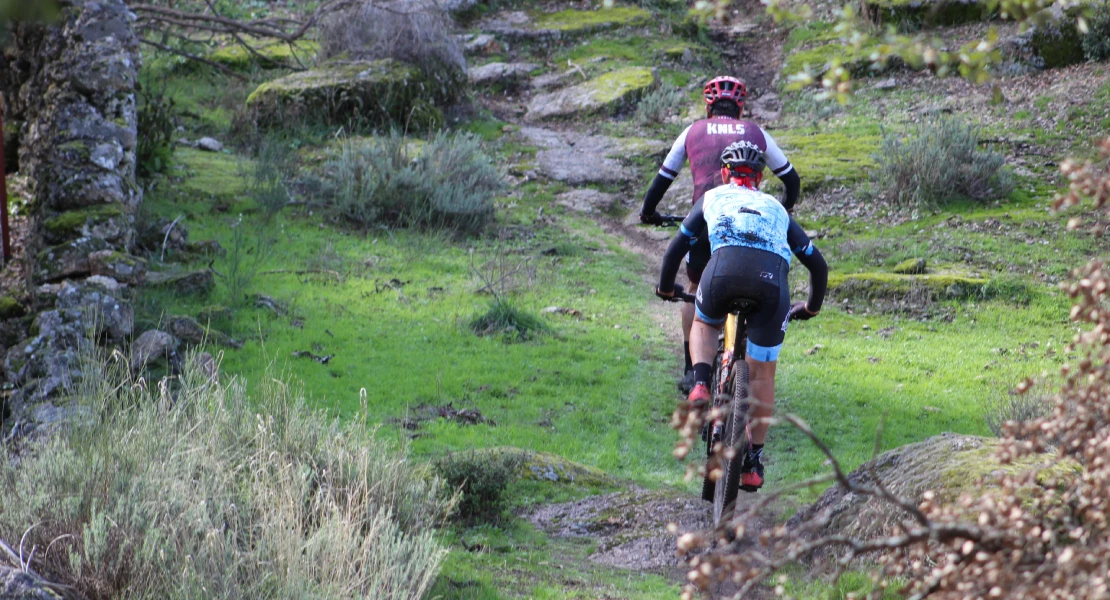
(734, 445)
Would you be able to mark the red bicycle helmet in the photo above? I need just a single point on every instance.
(725, 88)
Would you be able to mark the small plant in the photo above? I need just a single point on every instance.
(659, 105)
(246, 254)
(482, 478)
(266, 176)
(1096, 42)
(157, 128)
(448, 183)
(939, 161)
(1017, 408)
(503, 317)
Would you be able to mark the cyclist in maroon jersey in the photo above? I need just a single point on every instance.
(702, 143)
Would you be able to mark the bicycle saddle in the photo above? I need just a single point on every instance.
(743, 306)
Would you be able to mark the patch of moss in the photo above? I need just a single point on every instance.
(622, 85)
(894, 285)
(820, 59)
(268, 55)
(216, 174)
(361, 93)
(69, 224)
(839, 157)
(585, 21)
(10, 308)
(551, 468)
(911, 266)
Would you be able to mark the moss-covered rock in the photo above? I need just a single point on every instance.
(578, 22)
(265, 55)
(1055, 41)
(106, 221)
(911, 266)
(10, 308)
(189, 331)
(120, 266)
(189, 283)
(948, 465)
(918, 13)
(70, 259)
(606, 93)
(360, 93)
(551, 468)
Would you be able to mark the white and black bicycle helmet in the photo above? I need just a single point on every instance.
(743, 158)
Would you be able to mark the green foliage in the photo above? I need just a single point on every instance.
(503, 317)
(1096, 42)
(274, 163)
(157, 129)
(482, 478)
(660, 104)
(196, 489)
(938, 162)
(448, 183)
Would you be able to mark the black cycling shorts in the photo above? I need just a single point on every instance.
(734, 273)
(698, 258)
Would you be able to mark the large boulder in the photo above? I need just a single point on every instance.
(947, 465)
(604, 94)
(189, 331)
(189, 283)
(341, 93)
(1053, 41)
(499, 72)
(100, 311)
(120, 266)
(917, 13)
(154, 348)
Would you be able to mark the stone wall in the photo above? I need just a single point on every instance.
(70, 89)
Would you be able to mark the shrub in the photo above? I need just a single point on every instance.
(659, 105)
(418, 32)
(449, 183)
(938, 162)
(157, 128)
(202, 492)
(1018, 409)
(275, 161)
(503, 317)
(1096, 42)
(482, 477)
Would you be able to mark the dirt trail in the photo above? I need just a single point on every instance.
(630, 527)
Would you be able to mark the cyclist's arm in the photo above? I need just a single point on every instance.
(810, 256)
(781, 167)
(691, 229)
(666, 175)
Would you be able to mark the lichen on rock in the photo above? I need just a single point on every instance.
(606, 93)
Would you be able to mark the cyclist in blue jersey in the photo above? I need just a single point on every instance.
(752, 238)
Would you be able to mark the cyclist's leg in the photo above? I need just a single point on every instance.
(766, 332)
(696, 262)
(709, 315)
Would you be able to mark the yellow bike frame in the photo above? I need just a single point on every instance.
(729, 352)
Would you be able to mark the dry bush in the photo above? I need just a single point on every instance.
(203, 492)
(417, 32)
(1042, 533)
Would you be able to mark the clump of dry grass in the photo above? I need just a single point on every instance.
(210, 492)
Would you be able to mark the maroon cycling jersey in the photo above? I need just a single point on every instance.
(703, 143)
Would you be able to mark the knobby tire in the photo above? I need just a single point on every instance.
(735, 436)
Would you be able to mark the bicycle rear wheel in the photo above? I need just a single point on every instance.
(734, 437)
(708, 486)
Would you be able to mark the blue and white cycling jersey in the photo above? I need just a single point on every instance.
(739, 216)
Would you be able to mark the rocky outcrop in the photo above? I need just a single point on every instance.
(606, 93)
(576, 158)
(338, 93)
(498, 72)
(947, 465)
(519, 25)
